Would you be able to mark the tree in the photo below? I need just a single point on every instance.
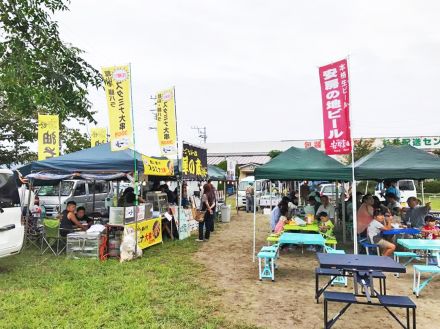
(436, 152)
(39, 73)
(74, 140)
(274, 153)
(362, 147)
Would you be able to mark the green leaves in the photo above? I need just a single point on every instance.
(39, 73)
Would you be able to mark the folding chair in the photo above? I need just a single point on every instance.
(51, 237)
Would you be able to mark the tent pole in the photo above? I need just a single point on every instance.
(94, 196)
(255, 226)
(344, 233)
(337, 203)
(299, 192)
(270, 192)
(423, 193)
(26, 228)
(59, 196)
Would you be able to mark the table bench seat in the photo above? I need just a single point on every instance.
(396, 301)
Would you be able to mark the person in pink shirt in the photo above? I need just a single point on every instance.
(365, 213)
(280, 225)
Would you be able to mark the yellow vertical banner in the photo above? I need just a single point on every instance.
(117, 89)
(166, 122)
(98, 136)
(48, 136)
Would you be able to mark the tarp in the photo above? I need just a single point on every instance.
(398, 162)
(98, 159)
(215, 173)
(303, 164)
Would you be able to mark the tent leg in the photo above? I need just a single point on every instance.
(344, 233)
(423, 193)
(255, 227)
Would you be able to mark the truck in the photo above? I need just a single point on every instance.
(243, 185)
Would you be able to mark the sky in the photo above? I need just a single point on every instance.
(248, 69)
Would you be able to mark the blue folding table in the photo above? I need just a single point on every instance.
(397, 231)
(302, 239)
(420, 244)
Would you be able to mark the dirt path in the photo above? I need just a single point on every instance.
(289, 302)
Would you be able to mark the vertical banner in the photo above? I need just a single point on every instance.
(48, 136)
(117, 89)
(98, 136)
(230, 171)
(335, 106)
(194, 163)
(166, 122)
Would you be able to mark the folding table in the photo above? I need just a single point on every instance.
(314, 228)
(420, 244)
(397, 231)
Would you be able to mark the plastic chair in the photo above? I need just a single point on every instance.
(339, 279)
(51, 237)
(367, 245)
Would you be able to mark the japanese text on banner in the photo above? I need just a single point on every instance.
(166, 122)
(194, 162)
(117, 88)
(335, 106)
(149, 232)
(157, 167)
(48, 136)
(98, 136)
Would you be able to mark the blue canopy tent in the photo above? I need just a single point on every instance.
(98, 159)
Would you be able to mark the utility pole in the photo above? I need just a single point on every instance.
(153, 111)
(202, 133)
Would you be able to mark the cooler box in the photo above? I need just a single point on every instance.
(226, 213)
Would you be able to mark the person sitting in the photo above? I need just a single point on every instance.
(313, 203)
(415, 215)
(326, 207)
(391, 201)
(430, 231)
(281, 210)
(365, 214)
(128, 198)
(377, 225)
(82, 217)
(69, 222)
(279, 228)
(326, 226)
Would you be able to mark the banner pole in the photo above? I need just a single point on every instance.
(135, 172)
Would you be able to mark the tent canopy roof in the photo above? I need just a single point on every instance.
(303, 164)
(398, 162)
(216, 173)
(98, 159)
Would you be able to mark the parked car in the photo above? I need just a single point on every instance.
(243, 185)
(11, 228)
(329, 190)
(407, 189)
(84, 193)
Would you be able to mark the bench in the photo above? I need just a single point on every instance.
(333, 273)
(433, 270)
(367, 245)
(268, 257)
(385, 301)
(405, 254)
(273, 238)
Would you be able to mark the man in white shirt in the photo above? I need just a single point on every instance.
(326, 207)
(376, 227)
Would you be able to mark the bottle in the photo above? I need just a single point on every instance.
(115, 200)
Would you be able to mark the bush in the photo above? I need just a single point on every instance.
(432, 186)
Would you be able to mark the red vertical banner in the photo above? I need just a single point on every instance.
(335, 107)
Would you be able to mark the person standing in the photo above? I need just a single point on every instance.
(214, 196)
(207, 205)
(250, 197)
(304, 192)
(415, 215)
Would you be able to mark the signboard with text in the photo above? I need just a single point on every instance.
(194, 162)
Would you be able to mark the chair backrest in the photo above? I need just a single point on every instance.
(51, 228)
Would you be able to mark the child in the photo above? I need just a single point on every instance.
(280, 225)
(430, 231)
(377, 225)
(326, 226)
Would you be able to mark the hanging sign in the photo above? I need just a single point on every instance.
(194, 163)
(98, 136)
(166, 122)
(149, 232)
(157, 167)
(335, 106)
(48, 136)
(117, 88)
(230, 166)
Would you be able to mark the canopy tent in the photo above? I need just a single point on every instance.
(98, 159)
(215, 173)
(303, 164)
(397, 162)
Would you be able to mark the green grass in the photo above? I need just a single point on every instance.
(435, 201)
(164, 289)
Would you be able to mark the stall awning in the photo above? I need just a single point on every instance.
(398, 162)
(303, 164)
(216, 174)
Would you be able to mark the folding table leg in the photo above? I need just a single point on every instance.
(325, 313)
(259, 269)
(414, 281)
(407, 318)
(414, 318)
(273, 269)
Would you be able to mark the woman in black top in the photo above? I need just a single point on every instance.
(207, 205)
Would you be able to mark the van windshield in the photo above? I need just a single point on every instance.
(66, 188)
(406, 185)
(243, 186)
(8, 191)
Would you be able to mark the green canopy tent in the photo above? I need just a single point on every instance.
(215, 173)
(302, 164)
(394, 163)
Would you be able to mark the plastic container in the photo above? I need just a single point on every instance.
(116, 215)
(226, 213)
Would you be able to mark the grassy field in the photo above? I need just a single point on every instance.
(164, 289)
(434, 199)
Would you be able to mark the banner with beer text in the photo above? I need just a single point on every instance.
(335, 105)
(117, 89)
(157, 167)
(194, 162)
(98, 136)
(48, 136)
(166, 122)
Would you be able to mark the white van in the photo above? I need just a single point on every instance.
(407, 189)
(11, 228)
(243, 185)
(81, 192)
